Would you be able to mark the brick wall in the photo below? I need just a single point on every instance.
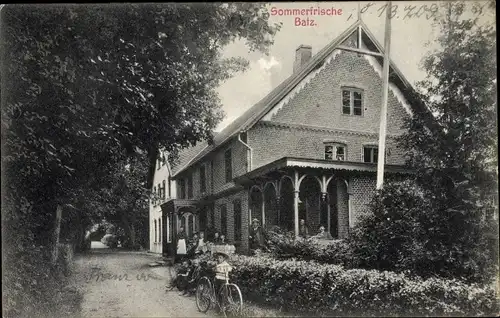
(343, 209)
(271, 141)
(319, 103)
(242, 196)
(361, 190)
(218, 175)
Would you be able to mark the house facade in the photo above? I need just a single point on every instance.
(162, 189)
(307, 151)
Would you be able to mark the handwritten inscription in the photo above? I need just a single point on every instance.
(99, 276)
(409, 11)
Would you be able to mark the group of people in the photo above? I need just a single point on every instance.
(258, 239)
(213, 265)
(199, 259)
(197, 243)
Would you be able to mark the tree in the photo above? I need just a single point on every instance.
(123, 199)
(84, 88)
(450, 232)
(91, 85)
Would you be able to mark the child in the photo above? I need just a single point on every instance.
(222, 270)
(193, 275)
(183, 276)
(201, 246)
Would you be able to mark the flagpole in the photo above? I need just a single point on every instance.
(385, 93)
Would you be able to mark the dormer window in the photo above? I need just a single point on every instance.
(335, 151)
(352, 101)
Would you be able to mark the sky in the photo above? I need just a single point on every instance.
(411, 38)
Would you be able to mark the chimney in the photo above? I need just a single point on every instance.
(302, 55)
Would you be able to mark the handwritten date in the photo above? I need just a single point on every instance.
(427, 11)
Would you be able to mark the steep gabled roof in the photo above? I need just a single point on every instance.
(186, 156)
(259, 110)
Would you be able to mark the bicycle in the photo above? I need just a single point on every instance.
(183, 284)
(231, 300)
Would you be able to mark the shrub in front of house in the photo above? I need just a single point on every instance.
(330, 289)
(285, 245)
(407, 232)
(410, 230)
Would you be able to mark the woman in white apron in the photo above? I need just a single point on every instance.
(181, 242)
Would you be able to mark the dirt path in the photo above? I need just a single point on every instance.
(121, 284)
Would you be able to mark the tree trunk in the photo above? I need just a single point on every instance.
(129, 229)
(57, 230)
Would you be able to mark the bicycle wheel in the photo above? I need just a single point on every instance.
(204, 292)
(231, 300)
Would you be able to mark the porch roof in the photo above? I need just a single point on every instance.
(320, 164)
(175, 204)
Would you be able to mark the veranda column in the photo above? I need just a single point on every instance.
(278, 209)
(263, 208)
(296, 211)
(296, 185)
(325, 201)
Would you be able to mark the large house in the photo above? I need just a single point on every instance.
(308, 150)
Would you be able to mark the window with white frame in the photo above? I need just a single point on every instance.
(169, 187)
(159, 230)
(164, 191)
(188, 221)
(370, 154)
(169, 231)
(335, 151)
(352, 101)
(156, 232)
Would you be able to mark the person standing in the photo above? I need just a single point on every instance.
(216, 238)
(257, 236)
(181, 243)
(201, 247)
(193, 245)
(303, 229)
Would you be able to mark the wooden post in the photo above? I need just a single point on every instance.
(57, 231)
(296, 203)
(263, 209)
(385, 93)
(328, 209)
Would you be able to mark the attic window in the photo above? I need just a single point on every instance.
(352, 101)
(335, 151)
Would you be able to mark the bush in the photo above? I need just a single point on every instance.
(285, 245)
(331, 289)
(32, 286)
(408, 231)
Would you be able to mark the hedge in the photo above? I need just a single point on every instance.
(331, 289)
